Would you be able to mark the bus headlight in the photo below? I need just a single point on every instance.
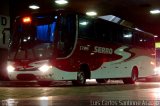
(10, 68)
(45, 68)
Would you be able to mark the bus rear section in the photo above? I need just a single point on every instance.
(115, 51)
(73, 47)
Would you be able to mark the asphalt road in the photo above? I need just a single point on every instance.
(114, 93)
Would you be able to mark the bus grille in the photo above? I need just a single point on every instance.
(26, 77)
(32, 69)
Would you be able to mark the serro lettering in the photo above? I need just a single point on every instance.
(103, 50)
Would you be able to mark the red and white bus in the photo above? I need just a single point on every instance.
(71, 46)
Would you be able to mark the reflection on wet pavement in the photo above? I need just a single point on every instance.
(141, 97)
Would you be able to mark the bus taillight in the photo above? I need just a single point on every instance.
(26, 20)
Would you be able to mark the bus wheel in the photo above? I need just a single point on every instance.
(101, 80)
(133, 78)
(44, 83)
(81, 79)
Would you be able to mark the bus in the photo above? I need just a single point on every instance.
(69, 46)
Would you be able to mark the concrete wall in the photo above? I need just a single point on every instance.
(4, 23)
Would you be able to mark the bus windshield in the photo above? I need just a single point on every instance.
(33, 37)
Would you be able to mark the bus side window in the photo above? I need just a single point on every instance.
(103, 31)
(149, 42)
(117, 34)
(67, 35)
(127, 36)
(86, 28)
(139, 39)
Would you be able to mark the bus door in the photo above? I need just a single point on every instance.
(66, 35)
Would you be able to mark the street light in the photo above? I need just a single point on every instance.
(91, 13)
(155, 11)
(61, 2)
(34, 7)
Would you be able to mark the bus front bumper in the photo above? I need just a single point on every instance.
(31, 75)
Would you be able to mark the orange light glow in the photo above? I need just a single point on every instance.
(152, 63)
(27, 20)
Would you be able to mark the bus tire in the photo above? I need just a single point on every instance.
(101, 81)
(134, 77)
(81, 79)
(44, 83)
